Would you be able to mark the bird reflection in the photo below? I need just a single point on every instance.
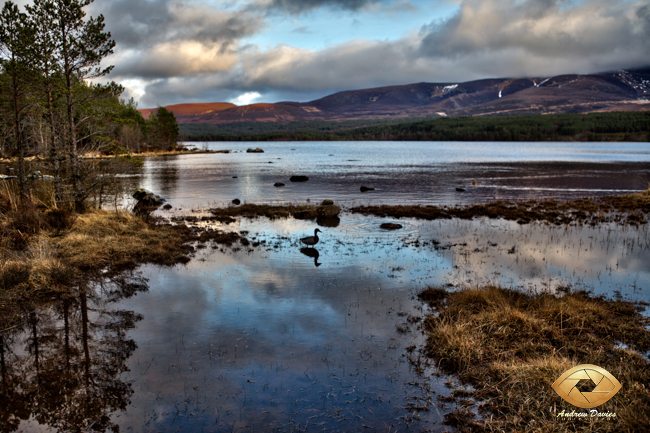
(313, 253)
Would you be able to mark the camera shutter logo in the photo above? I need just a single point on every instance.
(605, 386)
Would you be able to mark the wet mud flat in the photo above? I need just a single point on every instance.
(269, 337)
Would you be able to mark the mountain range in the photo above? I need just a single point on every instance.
(625, 90)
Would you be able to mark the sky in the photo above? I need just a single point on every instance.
(249, 51)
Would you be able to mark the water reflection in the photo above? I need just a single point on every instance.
(167, 177)
(263, 340)
(61, 364)
(313, 253)
(328, 221)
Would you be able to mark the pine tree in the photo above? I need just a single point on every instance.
(163, 129)
(15, 38)
(82, 45)
(43, 19)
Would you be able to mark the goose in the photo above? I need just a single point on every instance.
(311, 240)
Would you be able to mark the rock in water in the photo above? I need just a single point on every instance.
(147, 198)
(251, 150)
(298, 178)
(236, 202)
(460, 190)
(328, 210)
(391, 226)
(366, 189)
(278, 184)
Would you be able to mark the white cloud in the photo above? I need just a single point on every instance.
(246, 98)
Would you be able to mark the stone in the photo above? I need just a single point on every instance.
(391, 226)
(278, 184)
(460, 190)
(256, 150)
(236, 202)
(327, 203)
(328, 210)
(147, 198)
(366, 189)
(167, 206)
(298, 178)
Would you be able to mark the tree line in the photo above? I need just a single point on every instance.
(51, 106)
(618, 126)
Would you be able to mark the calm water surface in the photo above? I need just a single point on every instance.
(400, 172)
(275, 338)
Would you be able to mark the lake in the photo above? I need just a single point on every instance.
(400, 172)
(278, 338)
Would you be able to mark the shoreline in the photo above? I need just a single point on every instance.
(97, 155)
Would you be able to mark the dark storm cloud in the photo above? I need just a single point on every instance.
(149, 22)
(299, 6)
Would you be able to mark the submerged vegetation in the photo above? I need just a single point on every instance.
(511, 346)
(620, 126)
(630, 208)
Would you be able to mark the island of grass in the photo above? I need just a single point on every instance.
(511, 346)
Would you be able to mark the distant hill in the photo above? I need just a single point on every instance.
(611, 91)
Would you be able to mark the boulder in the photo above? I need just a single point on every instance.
(327, 203)
(167, 207)
(328, 210)
(251, 150)
(147, 198)
(366, 189)
(460, 190)
(278, 184)
(391, 226)
(234, 177)
(236, 202)
(298, 178)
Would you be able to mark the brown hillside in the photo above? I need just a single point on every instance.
(190, 110)
(612, 91)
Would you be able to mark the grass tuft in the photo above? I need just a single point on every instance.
(512, 346)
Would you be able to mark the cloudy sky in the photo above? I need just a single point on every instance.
(242, 51)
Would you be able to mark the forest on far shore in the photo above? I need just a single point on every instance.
(616, 126)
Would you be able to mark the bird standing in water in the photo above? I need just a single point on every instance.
(311, 240)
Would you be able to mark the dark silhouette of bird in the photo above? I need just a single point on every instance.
(311, 240)
(313, 253)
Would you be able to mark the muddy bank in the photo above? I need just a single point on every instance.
(510, 347)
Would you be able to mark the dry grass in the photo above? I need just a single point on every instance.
(246, 210)
(43, 253)
(511, 347)
(103, 239)
(630, 208)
